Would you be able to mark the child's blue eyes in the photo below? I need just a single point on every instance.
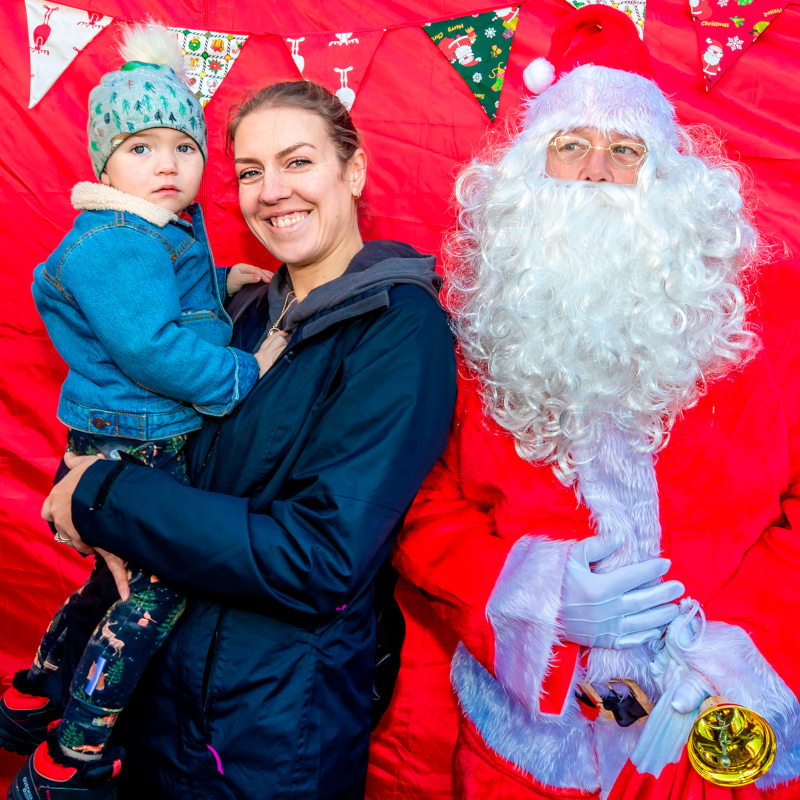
(141, 149)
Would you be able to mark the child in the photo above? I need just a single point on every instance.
(130, 299)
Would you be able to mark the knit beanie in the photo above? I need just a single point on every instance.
(598, 74)
(148, 91)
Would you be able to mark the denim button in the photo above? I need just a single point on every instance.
(99, 422)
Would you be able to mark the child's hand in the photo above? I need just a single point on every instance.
(270, 350)
(240, 275)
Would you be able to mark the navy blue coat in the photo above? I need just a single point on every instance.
(263, 689)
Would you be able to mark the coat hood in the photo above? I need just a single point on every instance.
(378, 264)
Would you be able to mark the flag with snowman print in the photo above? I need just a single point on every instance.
(478, 46)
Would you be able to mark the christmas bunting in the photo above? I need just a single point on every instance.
(338, 61)
(633, 8)
(478, 46)
(56, 34)
(209, 57)
(726, 28)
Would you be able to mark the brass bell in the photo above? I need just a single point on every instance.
(730, 745)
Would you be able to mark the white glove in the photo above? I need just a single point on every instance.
(683, 690)
(609, 609)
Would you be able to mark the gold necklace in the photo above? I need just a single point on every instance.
(287, 304)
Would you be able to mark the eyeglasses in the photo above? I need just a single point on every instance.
(572, 149)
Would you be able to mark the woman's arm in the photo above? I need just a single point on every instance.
(333, 524)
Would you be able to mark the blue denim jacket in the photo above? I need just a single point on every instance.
(131, 300)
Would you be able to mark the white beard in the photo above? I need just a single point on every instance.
(586, 305)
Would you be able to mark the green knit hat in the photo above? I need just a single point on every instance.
(146, 92)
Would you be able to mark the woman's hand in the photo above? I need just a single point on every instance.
(57, 509)
(240, 275)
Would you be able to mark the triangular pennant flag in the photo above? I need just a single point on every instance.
(209, 57)
(337, 61)
(633, 8)
(478, 46)
(726, 28)
(56, 34)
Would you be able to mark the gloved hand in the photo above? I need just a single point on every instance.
(608, 609)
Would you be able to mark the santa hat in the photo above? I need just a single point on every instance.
(598, 74)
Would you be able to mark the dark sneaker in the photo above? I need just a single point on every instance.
(23, 720)
(43, 778)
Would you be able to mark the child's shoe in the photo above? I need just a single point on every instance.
(45, 778)
(24, 719)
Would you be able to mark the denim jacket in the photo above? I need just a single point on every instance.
(131, 300)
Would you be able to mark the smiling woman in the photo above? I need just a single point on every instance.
(265, 688)
(297, 186)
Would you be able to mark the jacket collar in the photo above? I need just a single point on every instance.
(90, 196)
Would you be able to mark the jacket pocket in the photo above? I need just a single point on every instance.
(208, 672)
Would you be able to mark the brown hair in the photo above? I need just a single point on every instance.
(307, 96)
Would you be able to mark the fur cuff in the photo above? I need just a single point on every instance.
(523, 611)
(555, 750)
(737, 670)
(88, 196)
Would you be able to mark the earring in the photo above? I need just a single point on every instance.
(356, 195)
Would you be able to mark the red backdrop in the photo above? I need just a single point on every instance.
(420, 123)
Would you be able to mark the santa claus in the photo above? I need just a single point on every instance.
(608, 540)
(712, 57)
(460, 49)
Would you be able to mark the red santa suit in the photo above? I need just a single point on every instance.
(482, 558)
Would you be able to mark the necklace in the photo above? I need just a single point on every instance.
(287, 304)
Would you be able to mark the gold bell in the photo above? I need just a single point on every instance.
(730, 745)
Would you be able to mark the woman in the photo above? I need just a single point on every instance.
(264, 687)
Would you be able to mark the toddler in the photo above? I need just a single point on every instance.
(131, 300)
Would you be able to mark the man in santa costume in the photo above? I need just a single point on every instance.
(612, 525)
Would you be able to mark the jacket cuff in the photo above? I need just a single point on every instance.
(245, 378)
(730, 661)
(90, 495)
(523, 611)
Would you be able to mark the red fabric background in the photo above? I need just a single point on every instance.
(420, 123)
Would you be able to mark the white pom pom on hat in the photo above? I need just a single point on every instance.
(538, 75)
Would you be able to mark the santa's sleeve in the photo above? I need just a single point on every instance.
(501, 596)
(750, 651)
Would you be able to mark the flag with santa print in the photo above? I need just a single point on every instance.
(478, 46)
(726, 28)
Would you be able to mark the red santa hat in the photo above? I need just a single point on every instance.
(598, 74)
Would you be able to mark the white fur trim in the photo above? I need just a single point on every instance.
(89, 196)
(730, 661)
(606, 99)
(538, 75)
(523, 611)
(555, 750)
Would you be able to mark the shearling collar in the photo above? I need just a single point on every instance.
(90, 196)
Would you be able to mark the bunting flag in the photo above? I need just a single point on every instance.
(633, 8)
(478, 46)
(726, 28)
(338, 61)
(209, 57)
(56, 34)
